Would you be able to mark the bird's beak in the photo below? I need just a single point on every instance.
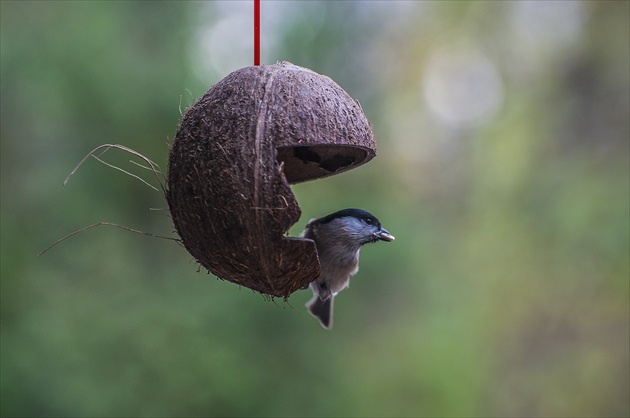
(383, 235)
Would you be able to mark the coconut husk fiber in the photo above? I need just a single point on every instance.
(235, 153)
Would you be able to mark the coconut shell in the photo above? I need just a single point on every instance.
(235, 153)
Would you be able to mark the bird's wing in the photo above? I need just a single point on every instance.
(308, 232)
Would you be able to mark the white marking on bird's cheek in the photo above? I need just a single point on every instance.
(355, 270)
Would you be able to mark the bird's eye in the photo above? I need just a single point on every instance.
(369, 221)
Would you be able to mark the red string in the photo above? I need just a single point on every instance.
(256, 32)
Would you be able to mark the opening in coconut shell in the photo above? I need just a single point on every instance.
(235, 153)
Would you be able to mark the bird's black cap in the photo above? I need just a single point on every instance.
(355, 213)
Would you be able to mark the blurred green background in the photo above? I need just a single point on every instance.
(503, 171)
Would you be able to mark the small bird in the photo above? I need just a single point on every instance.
(338, 238)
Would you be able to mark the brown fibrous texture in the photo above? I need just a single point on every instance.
(235, 153)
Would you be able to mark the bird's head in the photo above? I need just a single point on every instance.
(355, 227)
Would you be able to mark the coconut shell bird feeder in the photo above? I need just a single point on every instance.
(235, 154)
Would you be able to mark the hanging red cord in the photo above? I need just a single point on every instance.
(256, 32)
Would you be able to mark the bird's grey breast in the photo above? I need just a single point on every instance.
(336, 269)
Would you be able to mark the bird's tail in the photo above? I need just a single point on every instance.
(322, 310)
